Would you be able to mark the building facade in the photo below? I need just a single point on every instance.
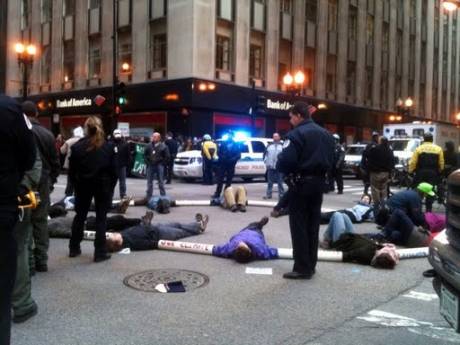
(196, 66)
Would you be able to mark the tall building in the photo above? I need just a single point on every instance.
(201, 66)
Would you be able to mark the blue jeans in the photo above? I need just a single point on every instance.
(274, 176)
(159, 171)
(122, 181)
(339, 224)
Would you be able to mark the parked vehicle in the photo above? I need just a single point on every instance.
(189, 164)
(444, 256)
(353, 155)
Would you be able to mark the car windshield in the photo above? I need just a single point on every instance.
(355, 150)
(403, 145)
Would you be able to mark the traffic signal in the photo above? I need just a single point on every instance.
(120, 94)
(261, 104)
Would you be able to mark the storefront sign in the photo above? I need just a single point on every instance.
(278, 105)
(139, 167)
(74, 102)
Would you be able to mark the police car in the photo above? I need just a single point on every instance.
(189, 165)
(353, 155)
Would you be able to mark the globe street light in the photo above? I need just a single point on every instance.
(450, 5)
(26, 54)
(294, 83)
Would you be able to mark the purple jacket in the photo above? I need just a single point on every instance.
(254, 239)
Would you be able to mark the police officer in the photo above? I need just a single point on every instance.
(17, 154)
(307, 155)
(39, 242)
(335, 174)
(427, 163)
(92, 170)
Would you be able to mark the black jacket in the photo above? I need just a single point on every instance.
(123, 154)
(229, 152)
(308, 149)
(156, 153)
(380, 158)
(48, 153)
(356, 248)
(172, 146)
(92, 165)
(141, 237)
(17, 151)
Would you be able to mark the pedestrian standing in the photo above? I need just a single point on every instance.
(66, 150)
(308, 153)
(39, 241)
(380, 163)
(335, 175)
(427, 163)
(173, 147)
(156, 156)
(209, 155)
(229, 152)
(17, 155)
(270, 159)
(123, 158)
(92, 170)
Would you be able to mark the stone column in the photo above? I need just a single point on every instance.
(106, 43)
(392, 55)
(440, 67)
(342, 50)
(298, 41)
(34, 76)
(81, 43)
(140, 40)
(361, 52)
(272, 43)
(405, 52)
(13, 73)
(377, 68)
(418, 53)
(204, 33)
(321, 49)
(448, 116)
(242, 34)
(56, 47)
(429, 59)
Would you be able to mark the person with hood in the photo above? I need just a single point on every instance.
(123, 157)
(229, 152)
(92, 170)
(39, 241)
(209, 154)
(66, 150)
(17, 155)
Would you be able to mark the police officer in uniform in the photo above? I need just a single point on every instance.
(92, 170)
(307, 155)
(17, 154)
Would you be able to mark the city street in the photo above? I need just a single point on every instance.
(84, 303)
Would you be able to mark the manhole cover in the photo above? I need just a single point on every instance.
(147, 280)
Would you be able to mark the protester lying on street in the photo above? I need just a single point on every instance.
(234, 199)
(408, 201)
(359, 213)
(68, 204)
(247, 245)
(357, 248)
(60, 226)
(145, 236)
(161, 204)
(282, 207)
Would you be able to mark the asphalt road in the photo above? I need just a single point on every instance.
(87, 304)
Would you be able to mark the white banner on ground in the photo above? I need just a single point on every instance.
(261, 203)
(192, 202)
(188, 247)
(410, 253)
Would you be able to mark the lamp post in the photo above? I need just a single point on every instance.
(26, 54)
(404, 107)
(294, 84)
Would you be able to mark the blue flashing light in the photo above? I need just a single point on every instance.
(242, 135)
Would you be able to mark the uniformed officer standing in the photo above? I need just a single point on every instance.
(307, 155)
(92, 170)
(17, 154)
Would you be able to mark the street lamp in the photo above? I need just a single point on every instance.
(26, 54)
(404, 107)
(450, 5)
(294, 83)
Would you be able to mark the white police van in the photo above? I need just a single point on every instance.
(189, 164)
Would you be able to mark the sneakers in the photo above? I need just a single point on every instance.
(123, 205)
(147, 218)
(242, 208)
(263, 222)
(202, 221)
(234, 208)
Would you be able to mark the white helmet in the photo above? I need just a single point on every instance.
(336, 136)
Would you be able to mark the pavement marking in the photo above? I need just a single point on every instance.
(259, 270)
(427, 297)
(414, 326)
